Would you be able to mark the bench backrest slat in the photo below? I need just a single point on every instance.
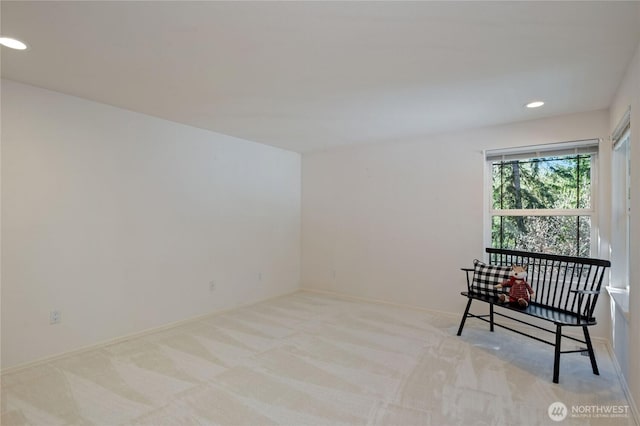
(553, 277)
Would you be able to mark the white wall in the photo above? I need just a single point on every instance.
(397, 221)
(629, 95)
(120, 220)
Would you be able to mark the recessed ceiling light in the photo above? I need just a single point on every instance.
(535, 104)
(12, 43)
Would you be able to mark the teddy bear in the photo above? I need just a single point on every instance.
(520, 292)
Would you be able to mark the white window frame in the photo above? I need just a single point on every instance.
(621, 192)
(589, 146)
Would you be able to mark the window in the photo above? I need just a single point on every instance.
(621, 205)
(542, 198)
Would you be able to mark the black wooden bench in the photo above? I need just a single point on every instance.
(566, 291)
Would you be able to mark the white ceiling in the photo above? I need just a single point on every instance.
(313, 75)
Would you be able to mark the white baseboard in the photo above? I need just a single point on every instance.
(137, 334)
(378, 301)
(625, 387)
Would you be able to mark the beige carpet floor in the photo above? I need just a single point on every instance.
(313, 359)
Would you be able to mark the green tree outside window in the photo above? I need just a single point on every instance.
(558, 187)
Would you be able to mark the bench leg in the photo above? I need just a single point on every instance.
(556, 359)
(491, 316)
(464, 317)
(592, 355)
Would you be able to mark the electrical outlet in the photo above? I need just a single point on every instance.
(55, 317)
(212, 285)
(259, 276)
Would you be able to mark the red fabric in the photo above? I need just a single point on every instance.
(519, 289)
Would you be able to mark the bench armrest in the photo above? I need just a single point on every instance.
(467, 271)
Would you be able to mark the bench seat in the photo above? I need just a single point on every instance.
(539, 311)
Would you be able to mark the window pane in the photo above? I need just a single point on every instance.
(542, 183)
(565, 235)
